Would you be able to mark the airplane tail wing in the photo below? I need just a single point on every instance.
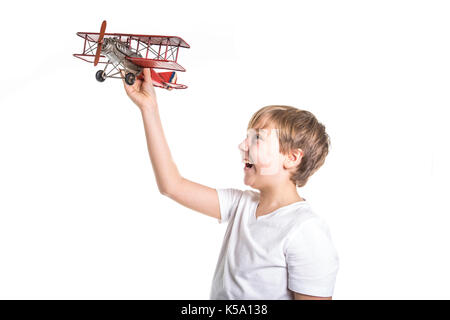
(168, 77)
(166, 80)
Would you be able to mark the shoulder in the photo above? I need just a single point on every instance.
(232, 200)
(236, 195)
(302, 214)
(308, 231)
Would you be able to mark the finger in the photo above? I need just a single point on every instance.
(147, 75)
(148, 81)
(137, 85)
(128, 89)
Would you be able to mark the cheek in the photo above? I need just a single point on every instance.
(264, 155)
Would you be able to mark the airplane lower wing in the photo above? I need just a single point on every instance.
(158, 64)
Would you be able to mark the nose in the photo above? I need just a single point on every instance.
(243, 146)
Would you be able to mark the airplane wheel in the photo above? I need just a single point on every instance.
(100, 75)
(130, 78)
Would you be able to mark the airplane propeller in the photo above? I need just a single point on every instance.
(100, 42)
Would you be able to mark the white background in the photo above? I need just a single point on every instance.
(80, 213)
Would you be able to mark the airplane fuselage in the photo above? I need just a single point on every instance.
(116, 51)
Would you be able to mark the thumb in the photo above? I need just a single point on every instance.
(147, 75)
(128, 89)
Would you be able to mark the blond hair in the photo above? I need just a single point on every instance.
(297, 129)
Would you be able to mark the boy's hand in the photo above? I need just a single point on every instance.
(142, 92)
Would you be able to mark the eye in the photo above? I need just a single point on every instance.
(255, 136)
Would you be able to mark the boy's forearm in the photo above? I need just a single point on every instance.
(166, 172)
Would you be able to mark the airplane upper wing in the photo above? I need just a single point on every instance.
(147, 39)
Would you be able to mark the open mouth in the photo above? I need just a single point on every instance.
(248, 165)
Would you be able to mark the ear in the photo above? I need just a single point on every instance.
(294, 158)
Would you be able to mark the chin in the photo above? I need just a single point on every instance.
(249, 183)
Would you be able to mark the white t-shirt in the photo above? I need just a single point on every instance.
(267, 257)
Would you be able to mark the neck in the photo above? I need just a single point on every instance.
(277, 197)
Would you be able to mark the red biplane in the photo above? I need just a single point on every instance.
(131, 53)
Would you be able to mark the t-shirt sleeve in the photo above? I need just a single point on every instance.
(312, 259)
(228, 202)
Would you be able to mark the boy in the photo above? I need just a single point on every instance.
(275, 246)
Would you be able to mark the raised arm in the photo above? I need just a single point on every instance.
(170, 183)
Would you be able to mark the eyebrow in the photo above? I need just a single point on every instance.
(260, 130)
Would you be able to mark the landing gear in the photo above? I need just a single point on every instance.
(100, 75)
(130, 78)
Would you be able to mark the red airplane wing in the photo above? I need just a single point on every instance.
(158, 64)
(90, 57)
(170, 80)
(147, 39)
(165, 80)
(170, 77)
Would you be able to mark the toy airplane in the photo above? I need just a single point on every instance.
(131, 53)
